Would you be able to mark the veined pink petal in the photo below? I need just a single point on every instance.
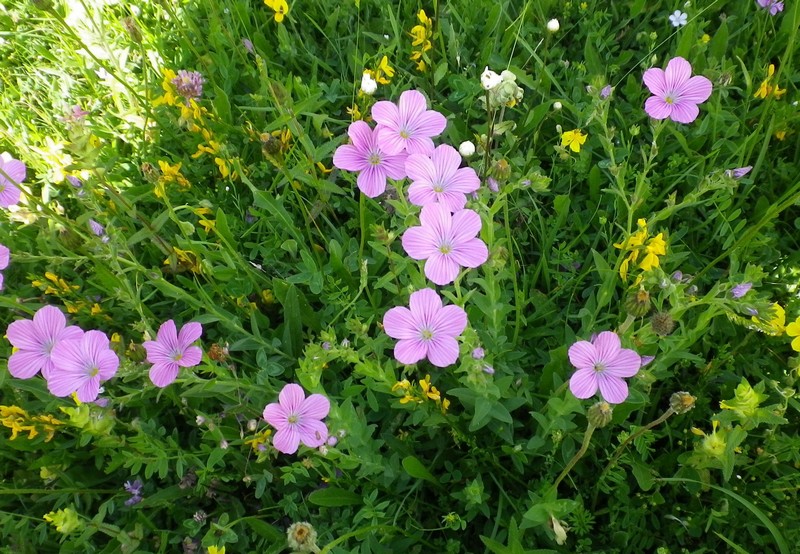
(470, 253)
(88, 390)
(696, 90)
(50, 322)
(411, 104)
(68, 356)
(316, 406)
(312, 432)
(677, 73)
(395, 166)
(71, 333)
(361, 136)
(189, 333)
(419, 242)
(24, 364)
(63, 383)
(192, 356)
(449, 322)
(398, 323)
(657, 108)
(443, 351)
(276, 415)
(410, 351)
(286, 440)
(438, 219)
(466, 224)
(684, 112)
(107, 364)
(613, 389)
(655, 81)
(607, 345)
(420, 193)
(583, 355)
(4, 256)
(626, 363)
(453, 200)
(23, 334)
(386, 113)
(583, 383)
(372, 181)
(291, 397)
(168, 335)
(424, 305)
(430, 123)
(15, 170)
(441, 268)
(419, 145)
(163, 374)
(156, 352)
(95, 343)
(350, 158)
(446, 160)
(389, 141)
(9, 195)
(464, 180)
(420, 168)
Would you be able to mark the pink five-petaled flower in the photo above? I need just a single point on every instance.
(427, 330)
(602, 364)
(172, 350)
(675, 92)
(367, 157)
(408, 125)
(438, 178)
(297, 419)
(80, 365)
(36, 340)
(5, 255)
(447, 241)
(12, 173)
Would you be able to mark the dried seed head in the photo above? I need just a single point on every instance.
(662, 323)
(681, 402)
(302, 537)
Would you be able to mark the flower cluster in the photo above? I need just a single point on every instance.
(638, 243)
(421, 43)
(773, 6)
(18, 420)
(425, 392)
(501, 90)
(767, 88)
(381, 75)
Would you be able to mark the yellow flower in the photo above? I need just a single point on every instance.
(775, 325)
(261, 438)
(404, 384)
(423, 18)
(655, 247)
(793, 330)
(65, 521)
(780, 135)
(354, 112)
(281, 8)
(574, 139)
(705, 39)
(420, 35)
(96, 309)
(208, 224)
(170, 174)
(766, 87)
(169, 97)
(384, 72)
(214, 549)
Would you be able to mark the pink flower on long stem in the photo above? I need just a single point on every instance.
(427, 330)
(5, 255)
(447, 241)
(438, 178)
(602, 364)
(172, 350)
(366, 156)
(297, 419)
(408, 125)
(80, 366)
(12, 173)
(675, 92)
(36, 340)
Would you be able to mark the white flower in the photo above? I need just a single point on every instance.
(507, 75)
(557, 105)
(553, 26)
(490, 79)
(368, 84)
(678, 18)
(466, 148)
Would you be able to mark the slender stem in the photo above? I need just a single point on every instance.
(633, 436)
(587, 436)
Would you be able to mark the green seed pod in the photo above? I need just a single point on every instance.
(600, 414)
(637, 303)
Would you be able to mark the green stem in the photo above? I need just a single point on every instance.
(633, 436)
(587, 437)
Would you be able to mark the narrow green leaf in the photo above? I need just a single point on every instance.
(415, 469)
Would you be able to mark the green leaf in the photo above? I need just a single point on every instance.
(333, 497)
(415, 469)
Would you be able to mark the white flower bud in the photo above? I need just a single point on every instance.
(466, 148)
(490, 79)
(507, 75)
(368, 84)
(553, 26)
(557, 105)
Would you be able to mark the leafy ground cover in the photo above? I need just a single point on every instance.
(368, 276)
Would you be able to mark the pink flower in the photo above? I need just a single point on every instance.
(36, 340)
(602, 364)
(407, 126)
(12, 173)
(675, 92)
(447, 241)
(438, 178)
(172, 350)
(774, 6)
(5, 255)
(365, 155)
(80, 365)
(427, 330)
(297, 419)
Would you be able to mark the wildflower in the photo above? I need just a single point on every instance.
(489, 370)
(280, 7)
(35, 340)
(705, 39)
(741, 289)
(774, 6)
(65, 521)
(368, 157)
(793, 330)
(214, 549)
(5, 255)
(407, 125)
(172, 350)
(605, 92)
(493, 185)
(80, 365)
(189, 84)
(553, 26)
(466, 149)
(602, 364)
(574, 139)
(478, 353)
(302, 537)
(426, 330)
(559, 529)
(380, 75)
(170, 174)
(368, 84)
(297, 419)
(739, 172)
(438, 178)
(678, 18)
(681, 402)
(98, 230)
(421, 43)
(135, 490)
(354, 112)
(169, 98)
(654, 248)
(12, 173)
(447, 242)
(490, 79)
(766, 88)
(248, 45)
(675, 92)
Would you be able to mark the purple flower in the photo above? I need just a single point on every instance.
(80, 365)
(739, 172)
(605, 92)
(12, 173)
(427, 330)
(134, 487)
(489, 370)
(5, 255)
(408, 125)
(741, 289)
(366, 156)
(74, 181)
(774, 6)
(189, 84)
(172, 350)
(76, 114)
(646, 360)
(447, 241)
(98, 230)
(478, 353)
(491, 182)
(438, 178)
(602, 364)
(248, 45)
(677, 276)
(36, 339)
(675, 92)
(297, 419)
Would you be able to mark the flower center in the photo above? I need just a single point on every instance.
(599, 367)
(438, 187)
(177, 356)
(93, 371)
(293, 418)
(445, 248)
(425, 334)
(374, 159)
(669, 99)
(404, 134)
(47, 346)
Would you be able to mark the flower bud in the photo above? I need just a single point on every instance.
(557, 105)
(553, 26)
(490, 79)
(681, 402)
(600, 414)
(368, 84)
(662, 323)
(466, 148)
(637, 303)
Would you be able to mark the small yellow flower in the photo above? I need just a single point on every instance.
(169, 97)
(655, 247)
(96, 309)
(767, 88)
(705, 39)
(354, 112)
(280, 7)
(384, 72)
(404, 385)
(573, 139)
(170, 174)
(776, 324)
(793, 330)
(215, 550)
(780, 135)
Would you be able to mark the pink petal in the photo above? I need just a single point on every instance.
(411, 104)
(466, 224)
(613, 389)
(696, 90)
(107, 364)
(443, 351)
(71, 333)
(15, 170)
(677, 73)
(465, 180)
(192, 356)
(419, 145)
(410, 351)
(583, 383)
(395, 165)
(316, 406)
(9, 196)
(4, 256)
(286, 440)
(655, 81)
(437, 220)
(420, 193)
(390, 142)
(449, 322)
(63, 383)
(684, 112)
(386, 113)
(68, 356)
(349, 158)
(291, 397)
(49, 322)
(430, 123)
(470, 253)
(163, 373)
(625, 364)
(24, 364)
(361, 136)
(607, 346)
(424, 305)
(189, 333)
(441, 269)
(312, 433)
(94, 343)
(372, 181)
(22, 334)
(156, 352)
(446, 160)
(398, 323)
(1, 281)
(168, 335)
(420, 168)
(88, 391)
(453, 200)
(583, 355)
(418, 242)
(657, 108)
(275, 415)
